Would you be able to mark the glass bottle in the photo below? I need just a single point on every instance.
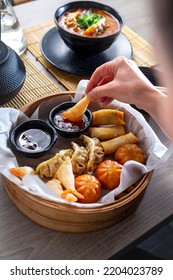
(11, 32)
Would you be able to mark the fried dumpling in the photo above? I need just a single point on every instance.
(65, 175)
(56, 187)
(79, 159)
(75, 113)
(129, 152)
(95, 152)
(90, 187)
(49, 167)
(108, 173)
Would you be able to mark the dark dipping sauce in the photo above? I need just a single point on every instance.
(33, 140)
(66, 125)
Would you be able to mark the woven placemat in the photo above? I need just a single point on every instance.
(36, 85)
(142, 53)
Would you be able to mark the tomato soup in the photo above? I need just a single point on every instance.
(89, 22)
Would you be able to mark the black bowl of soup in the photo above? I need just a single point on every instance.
(63, 126)
(88, 27)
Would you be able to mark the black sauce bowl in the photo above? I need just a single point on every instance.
(63, 132)
(87, 45)
(33, 124)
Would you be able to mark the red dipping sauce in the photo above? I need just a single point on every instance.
(66, 125)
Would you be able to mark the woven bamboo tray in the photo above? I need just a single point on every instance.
(69, 218)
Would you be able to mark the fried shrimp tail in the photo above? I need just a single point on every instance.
(22, 171)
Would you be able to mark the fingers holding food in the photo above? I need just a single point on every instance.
(75, 113)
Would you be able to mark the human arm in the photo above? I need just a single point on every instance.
(121, 79)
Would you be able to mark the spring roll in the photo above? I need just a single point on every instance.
(112, 145)
(56, 187)
(108, 116)
(105, 133)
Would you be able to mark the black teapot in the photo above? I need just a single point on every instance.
(12, 73)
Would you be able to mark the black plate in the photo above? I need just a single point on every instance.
(58, 54)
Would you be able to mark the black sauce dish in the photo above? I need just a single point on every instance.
(66, 128)
(87, 45)
(33, 138)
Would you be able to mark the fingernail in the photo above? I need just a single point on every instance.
(90, 94)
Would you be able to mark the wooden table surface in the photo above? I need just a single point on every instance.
(21, 238)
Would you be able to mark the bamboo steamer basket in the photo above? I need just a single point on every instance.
(69, 218)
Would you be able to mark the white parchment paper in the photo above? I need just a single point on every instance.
(155, 151)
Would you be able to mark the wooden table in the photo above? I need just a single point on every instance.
(20, 238)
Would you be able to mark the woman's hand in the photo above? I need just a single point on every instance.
(119, 79)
